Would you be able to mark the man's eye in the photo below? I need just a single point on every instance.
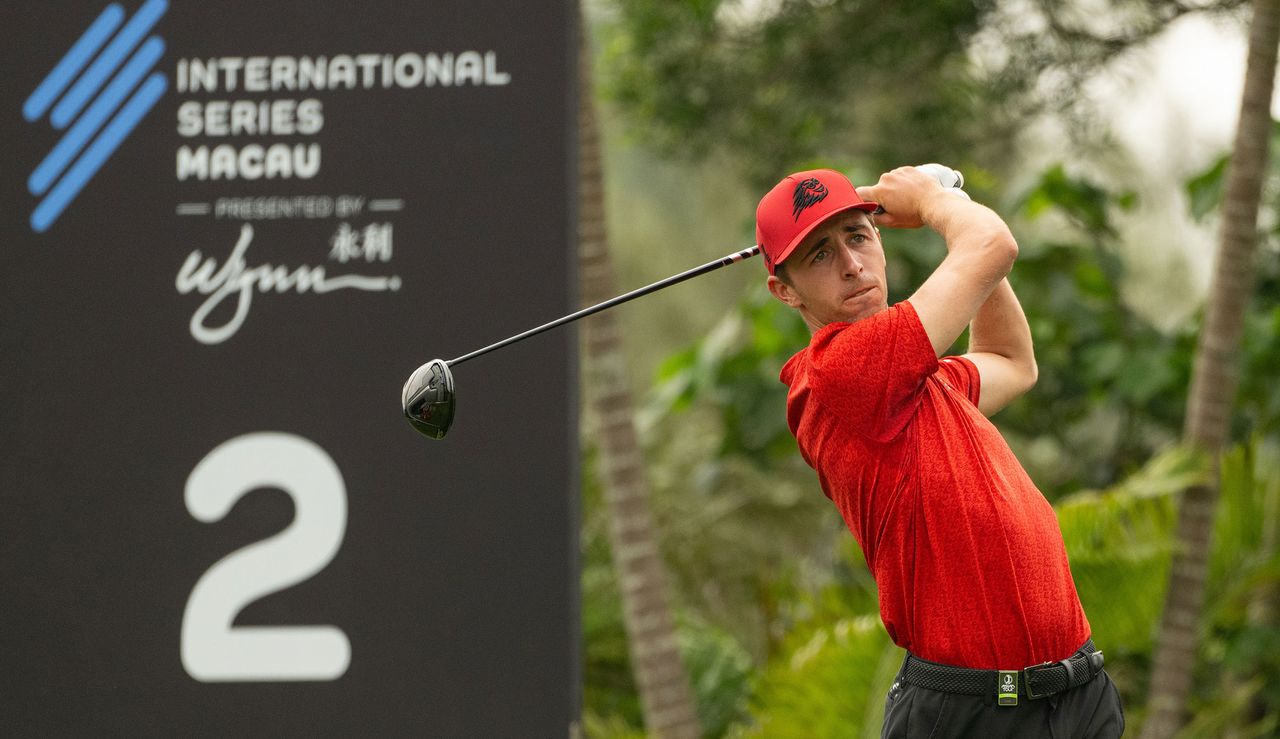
(859, 238)
(819, 255)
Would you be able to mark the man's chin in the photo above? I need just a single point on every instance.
(848, 314)
(852, 313)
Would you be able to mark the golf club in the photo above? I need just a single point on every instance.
(428, 397)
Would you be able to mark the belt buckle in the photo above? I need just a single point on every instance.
(1026, 679)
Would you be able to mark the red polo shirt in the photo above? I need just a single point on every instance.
(967, 554)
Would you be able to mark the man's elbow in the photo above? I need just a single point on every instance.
(1004, 249)
(997, 250)
(1029, 375)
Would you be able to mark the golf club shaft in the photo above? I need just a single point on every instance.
(711, 266)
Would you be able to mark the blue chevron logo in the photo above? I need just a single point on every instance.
(98, 94)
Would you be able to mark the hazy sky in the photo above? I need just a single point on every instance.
(1174, 108)
(1180, 112)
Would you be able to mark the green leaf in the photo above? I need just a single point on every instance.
(1204, 191)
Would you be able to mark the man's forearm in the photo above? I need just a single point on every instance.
(1000, 347)
(1000, 327)
(967, 227)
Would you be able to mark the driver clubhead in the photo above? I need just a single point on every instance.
(427, 399)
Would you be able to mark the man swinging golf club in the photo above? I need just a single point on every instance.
(967, 555)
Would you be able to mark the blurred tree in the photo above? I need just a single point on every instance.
(660, 676)
(1215, 377)
(780, 83)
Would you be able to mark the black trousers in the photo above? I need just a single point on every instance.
(1089, 711)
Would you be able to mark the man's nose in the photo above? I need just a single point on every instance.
(852, 264)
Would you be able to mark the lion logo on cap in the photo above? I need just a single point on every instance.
(807, 193)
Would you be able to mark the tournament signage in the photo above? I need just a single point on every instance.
(232, 231)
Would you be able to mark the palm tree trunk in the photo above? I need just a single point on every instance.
(660, 675)
(1214, 379)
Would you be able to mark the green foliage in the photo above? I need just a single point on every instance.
(743, 541)
(1257, 402)
(1119, 543)
(719, 669)
(1204, 191)
(718, 665)
(778, 84)
(831, 683)
(1111, 384)
(830, 674)
(1087, 204)
(736, 369)
(785, 83)
(609, 726)
(1239, 671)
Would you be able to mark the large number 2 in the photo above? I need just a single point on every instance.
(213, 650)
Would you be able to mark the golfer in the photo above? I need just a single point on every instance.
(967, 555)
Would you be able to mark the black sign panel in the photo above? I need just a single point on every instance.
(232, 230)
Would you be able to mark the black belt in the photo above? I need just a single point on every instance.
(1034, 682)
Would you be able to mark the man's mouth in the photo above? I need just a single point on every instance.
(860, 292)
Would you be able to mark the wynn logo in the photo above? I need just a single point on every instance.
(98, 99)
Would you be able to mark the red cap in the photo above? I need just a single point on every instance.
(797, 205)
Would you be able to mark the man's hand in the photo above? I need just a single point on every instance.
(904, 194)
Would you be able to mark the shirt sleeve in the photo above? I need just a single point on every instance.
(961, 374)
(871, 372)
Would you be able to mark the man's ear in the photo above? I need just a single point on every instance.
(784, 292)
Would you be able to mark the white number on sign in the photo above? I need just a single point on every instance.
(212, 649)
